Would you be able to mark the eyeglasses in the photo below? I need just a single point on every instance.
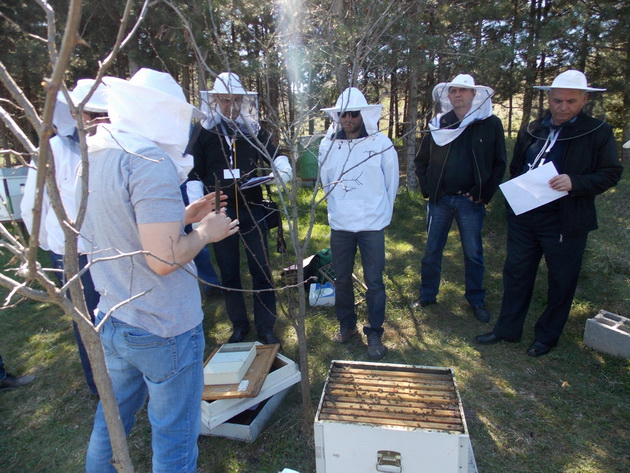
(232, 100)
(353, 114)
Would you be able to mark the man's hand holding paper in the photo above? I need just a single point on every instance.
(535, 188)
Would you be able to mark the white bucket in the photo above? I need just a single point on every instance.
(321, 294)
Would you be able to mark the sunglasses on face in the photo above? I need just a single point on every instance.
(353, 114)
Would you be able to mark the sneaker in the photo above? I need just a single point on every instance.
(481, 314)
(419, 303)
(345, 334)
(10, 381)
(376, 350)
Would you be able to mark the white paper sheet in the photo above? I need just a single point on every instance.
(531, 190)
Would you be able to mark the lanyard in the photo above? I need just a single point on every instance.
(231, 142)
(546, 148)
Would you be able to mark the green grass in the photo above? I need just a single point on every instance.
(565, 412)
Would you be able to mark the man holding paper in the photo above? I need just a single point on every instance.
(230, 150)
(583, 151)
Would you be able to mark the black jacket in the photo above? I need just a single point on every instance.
(213, 155)
(488, 149)
(590, 160)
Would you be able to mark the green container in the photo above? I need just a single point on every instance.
(307, 161)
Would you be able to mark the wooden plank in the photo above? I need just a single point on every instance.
(394, 387)
(419, 424)
(446, 424)
(392, 414)
(414, 411)
(357, 378)
(412, 403)
(421, 394)
(256, 375)
(394, 371)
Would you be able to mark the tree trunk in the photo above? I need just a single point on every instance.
(531, 55)
(626, 101)
(411, 121)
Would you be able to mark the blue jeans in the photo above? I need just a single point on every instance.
(344, 248)
(170, 372)
(469, 216)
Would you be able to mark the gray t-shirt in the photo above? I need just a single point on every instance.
(127, 190)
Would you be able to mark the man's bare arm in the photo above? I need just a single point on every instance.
(169, 249)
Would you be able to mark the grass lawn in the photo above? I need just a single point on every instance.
(565, 412)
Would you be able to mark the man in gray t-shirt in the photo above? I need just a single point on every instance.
(141, 265)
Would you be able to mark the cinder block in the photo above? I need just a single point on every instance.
(608, 333)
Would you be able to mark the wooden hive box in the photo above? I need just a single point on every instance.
(377, 417)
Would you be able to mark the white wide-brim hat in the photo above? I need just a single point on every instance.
(152, 105)
(228, 83)
(464, 81)
(97, 102)
(570, 79)
(159, 87)
(351, 100)
(626, 145)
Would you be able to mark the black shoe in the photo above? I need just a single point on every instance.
(10, 381)
(268, 338)
(345, 334)
(376, 350)
(490, 338)
(481, 314)
(238, 335)
(537, 349)
(419, 303)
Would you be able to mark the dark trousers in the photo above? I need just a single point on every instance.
(372, 247)
(227, 252)
(91, 299)
(531, 236)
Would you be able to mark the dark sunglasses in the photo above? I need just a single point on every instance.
(353, 114)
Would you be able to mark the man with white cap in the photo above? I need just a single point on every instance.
(359, 173)
(584, 153)
(230, 149)
(460, 165)
(150, 306)
(66, 153)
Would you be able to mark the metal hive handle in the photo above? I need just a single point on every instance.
(388, 461)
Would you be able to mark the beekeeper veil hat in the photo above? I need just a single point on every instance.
(229, 83)
(480, 109)
(63, 119)
(351, 100)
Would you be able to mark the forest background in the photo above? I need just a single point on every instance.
(299, 56)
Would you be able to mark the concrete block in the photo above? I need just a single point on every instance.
(608, 333)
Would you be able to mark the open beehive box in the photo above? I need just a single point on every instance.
(229, 363)
(376, 417)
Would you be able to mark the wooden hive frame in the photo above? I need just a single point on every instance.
(393, 395)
